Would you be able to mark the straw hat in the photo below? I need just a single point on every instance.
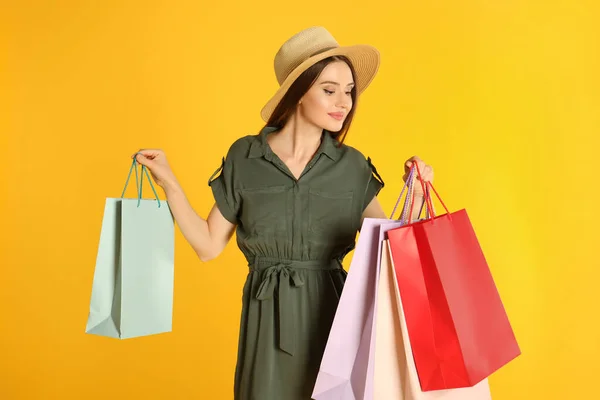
(310, 46)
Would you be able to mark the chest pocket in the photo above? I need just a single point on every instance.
(264, 210)
(330, 216)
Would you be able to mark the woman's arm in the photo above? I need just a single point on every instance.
(207, 237)
(374, 210)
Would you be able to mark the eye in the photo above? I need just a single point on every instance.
(328, 91)
(349, 93)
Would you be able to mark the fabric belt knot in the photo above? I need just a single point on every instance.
(282, 278)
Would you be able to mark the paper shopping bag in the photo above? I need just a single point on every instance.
(395, 374)
(132, 290)
(344, 370)
(347, 365)
(387, 374)
(458, 327)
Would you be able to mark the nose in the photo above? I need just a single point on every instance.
(344, 102)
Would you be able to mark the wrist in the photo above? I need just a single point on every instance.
(419, 197)
(171, 186)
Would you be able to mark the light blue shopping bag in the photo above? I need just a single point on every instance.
(132, 291)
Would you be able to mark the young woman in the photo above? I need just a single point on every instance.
(296, 197)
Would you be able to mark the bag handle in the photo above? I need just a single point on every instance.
(410, 197)
(408, 184)
(427, 195)
(139, 182)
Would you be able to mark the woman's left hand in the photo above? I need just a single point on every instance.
(426, 174)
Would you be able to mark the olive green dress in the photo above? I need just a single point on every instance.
(294, 234)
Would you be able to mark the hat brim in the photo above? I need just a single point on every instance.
(364, 58)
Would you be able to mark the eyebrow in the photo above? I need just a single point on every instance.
(335, 83)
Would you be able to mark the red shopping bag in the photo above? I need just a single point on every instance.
(458, 328)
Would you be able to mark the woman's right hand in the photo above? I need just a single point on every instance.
(156, 161)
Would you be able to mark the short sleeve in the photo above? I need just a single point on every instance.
(374, 184)
(224, 189)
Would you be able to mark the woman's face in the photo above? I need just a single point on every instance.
(328, 101)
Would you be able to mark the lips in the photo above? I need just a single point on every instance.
(338, 116)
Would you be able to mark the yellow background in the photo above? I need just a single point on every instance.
(501, 97)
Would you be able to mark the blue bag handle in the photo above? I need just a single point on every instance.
(139, 182)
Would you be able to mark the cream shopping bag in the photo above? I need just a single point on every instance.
(395, 372)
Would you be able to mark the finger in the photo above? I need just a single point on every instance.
(409, 162)
(140, 151)
(144, 160)
(420, 168)
(427, 174)
(149, 153)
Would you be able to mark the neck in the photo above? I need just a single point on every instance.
(298, 139)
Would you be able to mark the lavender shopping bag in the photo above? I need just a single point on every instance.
(343, 373)
(347, 366)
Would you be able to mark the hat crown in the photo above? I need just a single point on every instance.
(299, 48)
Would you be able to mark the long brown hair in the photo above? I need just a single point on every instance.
(287, 106)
